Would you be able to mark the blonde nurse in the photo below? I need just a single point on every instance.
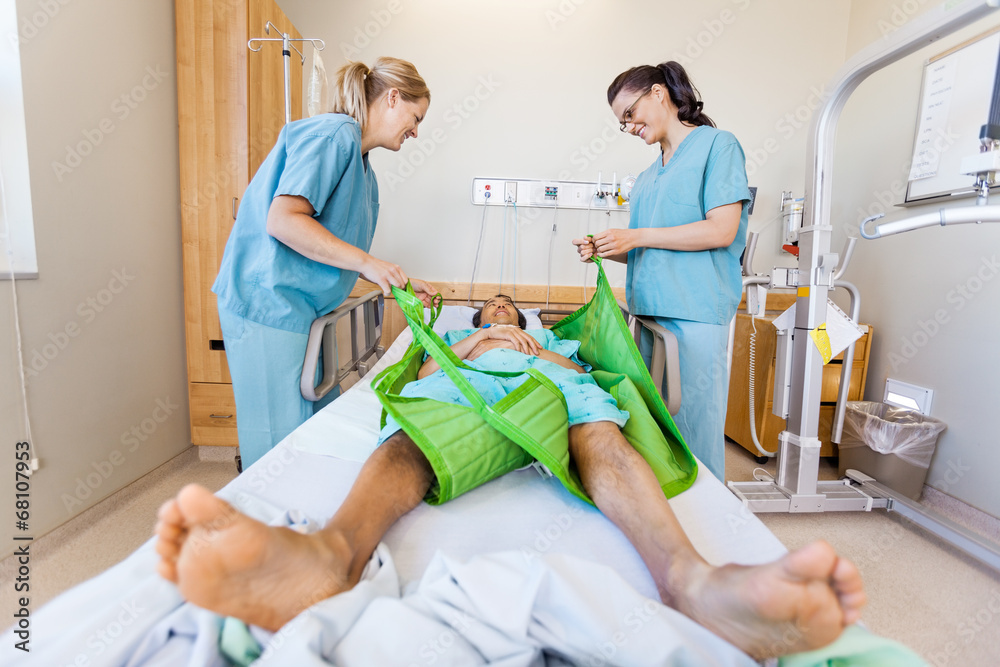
(301, 240)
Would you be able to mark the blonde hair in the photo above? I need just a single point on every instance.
(358, 86)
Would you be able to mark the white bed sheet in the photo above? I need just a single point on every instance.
(520, 511)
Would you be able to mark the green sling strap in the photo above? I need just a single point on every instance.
(468, 446)
(607, 345)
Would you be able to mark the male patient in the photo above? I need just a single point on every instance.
(236, 566)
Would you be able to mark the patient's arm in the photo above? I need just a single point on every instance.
(554, 357)
(472, 347)
(514, 337)
(461, 349)
(557, 358)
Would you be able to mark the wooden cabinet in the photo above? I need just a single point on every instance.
(231, 107)
(769, 425)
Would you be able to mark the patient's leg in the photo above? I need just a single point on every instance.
(226, 562)
(797, 603)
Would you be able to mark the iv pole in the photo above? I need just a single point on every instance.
(286, 44)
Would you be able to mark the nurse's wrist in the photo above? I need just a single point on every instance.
(362, 262)
(639, 239)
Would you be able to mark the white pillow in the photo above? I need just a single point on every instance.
(460, 317)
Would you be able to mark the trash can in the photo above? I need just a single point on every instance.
(893, 445)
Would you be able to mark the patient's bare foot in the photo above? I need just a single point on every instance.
(233, 565)
(798, 603)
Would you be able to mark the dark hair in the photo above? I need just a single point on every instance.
(670, 75)
(477, 317)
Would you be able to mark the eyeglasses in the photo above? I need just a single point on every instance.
(627, 116)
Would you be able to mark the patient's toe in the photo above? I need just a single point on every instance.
(169, 512)
(199, 506)
(168, 531)
(167, 569)
(167, 548)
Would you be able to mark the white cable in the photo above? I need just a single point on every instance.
(503, 245)
(17, 319)
(548, 285)
(479, 247)
(513, 296)
(752, 373)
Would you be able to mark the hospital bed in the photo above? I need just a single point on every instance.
(365, 313)
(517, 534)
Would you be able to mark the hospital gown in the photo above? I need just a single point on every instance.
(585, 401)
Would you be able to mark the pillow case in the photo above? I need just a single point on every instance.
(460, 317)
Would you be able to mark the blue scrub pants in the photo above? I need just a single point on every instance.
(704, 386)
(266, 364)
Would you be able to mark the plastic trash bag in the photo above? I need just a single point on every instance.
(887, 429)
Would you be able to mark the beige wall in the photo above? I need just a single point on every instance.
(761, 68)
(909, 280)
(102, 326)
(519, 90)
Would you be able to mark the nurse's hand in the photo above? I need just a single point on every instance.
(384, 274)
(424, 291)
(614, 242)
(586, 249)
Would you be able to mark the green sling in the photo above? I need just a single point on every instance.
(468, 446)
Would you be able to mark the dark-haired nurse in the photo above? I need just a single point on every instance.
(686, 231)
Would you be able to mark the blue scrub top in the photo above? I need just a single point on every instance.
(707, 170)
(264, 280)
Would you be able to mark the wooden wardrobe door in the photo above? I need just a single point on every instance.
(212, 110)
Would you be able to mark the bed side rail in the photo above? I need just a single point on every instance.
(550, 316)
(365, 342)
(665, 366)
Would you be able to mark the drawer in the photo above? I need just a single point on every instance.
(831, 382)
(860, 346)
(823, 430)
(213, 414)
(773, 425)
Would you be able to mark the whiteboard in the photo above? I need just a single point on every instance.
(954, 104)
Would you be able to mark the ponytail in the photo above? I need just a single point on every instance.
(350, 96)
(683, 94)
(672, 76)
(358, 86)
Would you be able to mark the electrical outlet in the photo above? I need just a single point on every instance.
(487, 191)
(510, 192)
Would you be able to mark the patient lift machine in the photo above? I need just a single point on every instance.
(796, 487)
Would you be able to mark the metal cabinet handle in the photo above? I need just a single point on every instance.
(220, 416)
(234, 208)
